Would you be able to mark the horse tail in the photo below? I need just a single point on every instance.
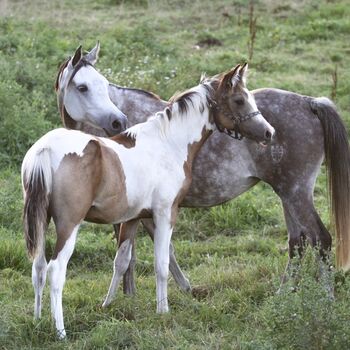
(37, 186)
(337, 159)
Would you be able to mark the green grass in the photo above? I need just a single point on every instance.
(233, 254)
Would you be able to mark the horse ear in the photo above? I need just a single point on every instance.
(240, 76)
(92, 56)
(243, 73)
(228, 79)
(77, 56)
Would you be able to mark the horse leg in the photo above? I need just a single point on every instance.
(174, 267)
(162, 236)
(57, 274)
(296, 242)
(122, 258)
(129, 285)
(304, 222)
(39, 270)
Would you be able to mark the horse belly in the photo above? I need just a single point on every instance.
(218, 194)
(111, 211)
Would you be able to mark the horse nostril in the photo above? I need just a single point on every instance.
(116, 125)
(268, 135)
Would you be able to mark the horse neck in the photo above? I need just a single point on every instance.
(185, 133)
(137, 104)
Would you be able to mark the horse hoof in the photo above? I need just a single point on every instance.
(61, 334)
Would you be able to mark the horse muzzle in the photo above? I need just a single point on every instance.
(116, 124)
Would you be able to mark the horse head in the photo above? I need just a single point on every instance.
(234, 107)
(83, 96)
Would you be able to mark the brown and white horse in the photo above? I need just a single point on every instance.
(308, 130)
(143, 172)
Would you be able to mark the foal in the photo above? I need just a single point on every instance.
(143, 172)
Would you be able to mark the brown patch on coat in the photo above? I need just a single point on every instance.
(74, 187)
(125, 139)
(127, 231)
(110, 202)
(192, 151)
(144, 214)
(90, 187)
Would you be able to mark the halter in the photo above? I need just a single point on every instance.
(237, 119)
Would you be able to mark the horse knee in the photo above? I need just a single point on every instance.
(162, 269)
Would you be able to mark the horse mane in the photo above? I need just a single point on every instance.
(193, 97)
(60, 71)
(198, 98)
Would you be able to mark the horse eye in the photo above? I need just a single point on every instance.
(82, 88)
(239, 102)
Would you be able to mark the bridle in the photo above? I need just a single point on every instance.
(237, 119)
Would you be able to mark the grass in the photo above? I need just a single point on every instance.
(233, 254)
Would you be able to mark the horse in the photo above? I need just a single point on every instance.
(144, 172)
(308, 131)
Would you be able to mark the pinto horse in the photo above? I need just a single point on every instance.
(308, 130)
(141, 173)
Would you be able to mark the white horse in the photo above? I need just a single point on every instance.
(87, 100)
(141, 173)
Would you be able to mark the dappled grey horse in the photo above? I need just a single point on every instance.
(308, 130)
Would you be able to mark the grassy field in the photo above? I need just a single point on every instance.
(235, 253)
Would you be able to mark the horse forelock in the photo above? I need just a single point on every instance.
(82, 63)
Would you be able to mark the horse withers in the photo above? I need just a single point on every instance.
(141, 173)
(308, 130)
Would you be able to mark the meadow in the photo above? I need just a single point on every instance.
(233, 254)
